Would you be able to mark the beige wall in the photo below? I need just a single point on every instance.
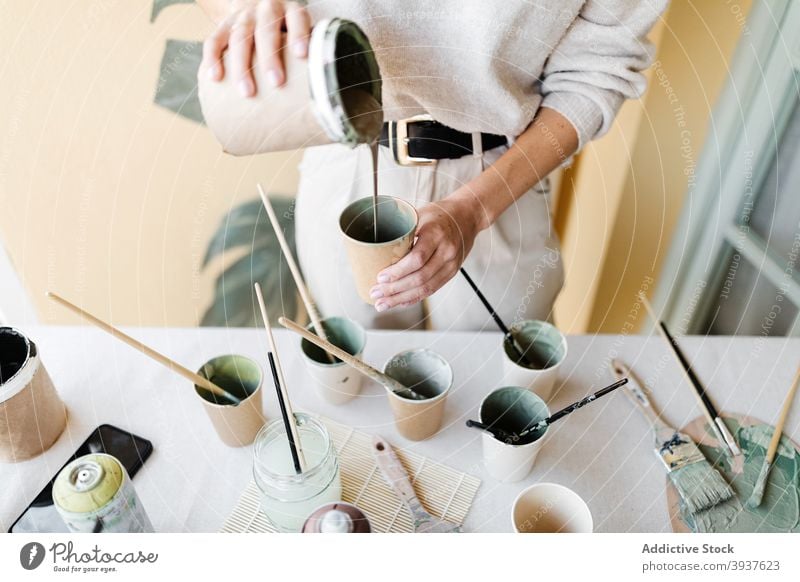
(104, 196)
(628, 188)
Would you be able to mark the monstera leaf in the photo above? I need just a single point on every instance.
(247, 226)
(159, 5)
(176, 89)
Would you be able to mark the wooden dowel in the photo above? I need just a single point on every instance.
(311, 307)
(148, 351)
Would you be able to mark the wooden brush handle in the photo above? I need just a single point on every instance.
(787, 405)
(394, 474)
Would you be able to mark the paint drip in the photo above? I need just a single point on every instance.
(780, 510)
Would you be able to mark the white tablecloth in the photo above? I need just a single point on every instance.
(604, 452)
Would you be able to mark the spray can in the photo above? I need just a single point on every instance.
(339, 517)
(94, 494)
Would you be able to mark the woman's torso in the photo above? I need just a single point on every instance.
(474, 65)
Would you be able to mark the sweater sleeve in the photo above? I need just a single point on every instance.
(598, 63)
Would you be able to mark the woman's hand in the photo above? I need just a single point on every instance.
(445, 235)
(254, 26)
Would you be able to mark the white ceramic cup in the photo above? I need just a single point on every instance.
(336, 382)
(513, 409)
(545, 347)
(550, 508)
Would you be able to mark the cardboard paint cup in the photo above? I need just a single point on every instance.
(32, 416)
(336, 382)
(332, 96)
(550, 508)
(545, 347)
(397, 224)
(236, 424)
(513, 409)
(428, 374)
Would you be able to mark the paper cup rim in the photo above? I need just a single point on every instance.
(436, 398)
(384, 243)
(564, 343)
(548, 484)
(24, 376)
(243, 400)
(330, 365)
(538, 441)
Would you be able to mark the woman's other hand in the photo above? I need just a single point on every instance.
(253, 28)
(445, 235)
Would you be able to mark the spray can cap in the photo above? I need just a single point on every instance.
(339, 517)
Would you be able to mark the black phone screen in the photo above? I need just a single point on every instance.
(132, 451)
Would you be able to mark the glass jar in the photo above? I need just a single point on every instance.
(287, 498)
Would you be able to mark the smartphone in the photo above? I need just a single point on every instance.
(132, 451)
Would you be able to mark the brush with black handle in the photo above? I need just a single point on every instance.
(699, 485)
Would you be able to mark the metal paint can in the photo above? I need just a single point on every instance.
(339, 517)
(94, 494)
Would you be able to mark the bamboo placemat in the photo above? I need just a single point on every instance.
(444, 492)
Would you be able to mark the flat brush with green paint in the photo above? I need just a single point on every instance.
(699, 485)
(758, 491)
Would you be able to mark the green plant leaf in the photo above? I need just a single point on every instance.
(234, 299)
(159, 5)
(176, 89)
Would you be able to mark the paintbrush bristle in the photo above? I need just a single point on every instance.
(698, 483)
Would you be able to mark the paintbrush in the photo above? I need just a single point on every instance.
(709, 410)
(699, 485)
(758, 491)
(387, 381)
(308, 302)
(289, 421)
(521, 355)
(550, 419)
(148, 351)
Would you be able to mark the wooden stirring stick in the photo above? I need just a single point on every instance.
(388, 382)
(160, 358)
(289, 421)
(311, 307)
(758, 491)
(708, 408)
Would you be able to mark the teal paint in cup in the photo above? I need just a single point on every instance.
(336, 382)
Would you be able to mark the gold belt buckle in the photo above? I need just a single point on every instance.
(398, 141)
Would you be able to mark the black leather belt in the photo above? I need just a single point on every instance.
(422, 141)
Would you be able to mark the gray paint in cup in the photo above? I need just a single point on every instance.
(394, 220)
(424, 371)
(541, 342)
(237, 375)
(514, 409)
(343, 333)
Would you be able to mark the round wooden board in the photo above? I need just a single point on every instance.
(697, 431)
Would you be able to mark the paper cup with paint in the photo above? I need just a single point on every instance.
(428, 374)
(550, 508)
(32, 416)
(397, 224)
(236, 424)
(512, 409)
(336, 382)
(333, 96)
(544, 348)
(288, 498)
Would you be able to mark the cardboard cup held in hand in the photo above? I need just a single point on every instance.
(428, 374)
(32, 416)
(236, 424)
(544, 347)
(397, 224)
(336, 382)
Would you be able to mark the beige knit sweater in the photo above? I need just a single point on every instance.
(488, 65)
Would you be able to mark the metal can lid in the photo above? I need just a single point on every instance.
(339, 517)
(88, 483)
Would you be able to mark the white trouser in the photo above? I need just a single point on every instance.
(516, 263)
